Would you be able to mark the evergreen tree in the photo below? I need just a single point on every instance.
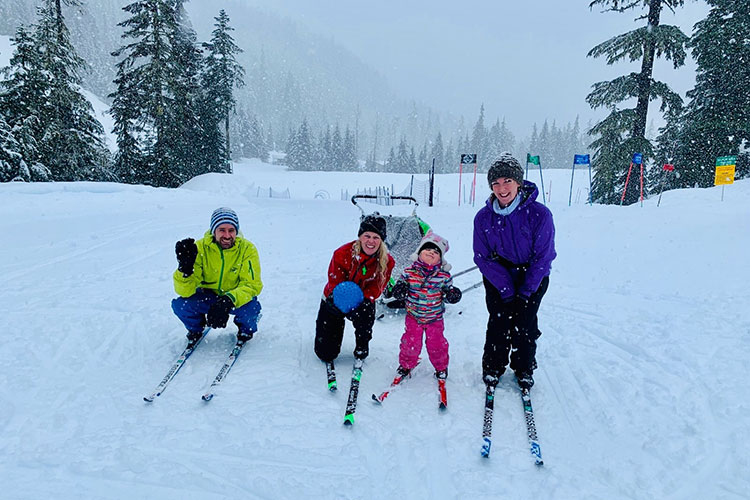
(324, 151)
(337, 150)
(628, 126)
(439, 154)
(299, 155)
(10, 152)
(258, 146)
(392, 162)
(479, 141)
(545, 145)
(716, 121)
(189, 154)
(22, 96)
(153, 104)
(223, 72)
(424, 162)
(411, 162)
(533, 142)
(349, 161)
(43, 102)
(451, 158)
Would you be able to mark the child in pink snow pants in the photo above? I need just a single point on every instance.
(425, 286)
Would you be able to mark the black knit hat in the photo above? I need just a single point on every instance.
(505, 166)
(373, 223)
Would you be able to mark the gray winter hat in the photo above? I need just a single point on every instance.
(505, 166)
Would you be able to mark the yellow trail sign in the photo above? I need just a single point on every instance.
(724, 175)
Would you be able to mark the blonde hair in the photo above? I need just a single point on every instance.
(382, 260)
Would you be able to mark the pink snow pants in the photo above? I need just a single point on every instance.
(411, 344)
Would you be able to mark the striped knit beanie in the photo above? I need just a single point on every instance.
(224, 215)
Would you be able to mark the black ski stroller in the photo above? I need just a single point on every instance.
(403, 236)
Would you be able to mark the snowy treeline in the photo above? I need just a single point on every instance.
(716, 120)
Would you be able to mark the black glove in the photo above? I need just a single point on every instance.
(517, 306)
(363, 313)
(453, 295)
(400, 290)
(218, 313)
(186, 251)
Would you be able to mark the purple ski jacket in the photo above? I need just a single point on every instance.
(515, 251)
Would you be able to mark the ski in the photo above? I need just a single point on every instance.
(175, 368)
(443, 405)
(536, 450)
(208, 396)
(331, 371)
(489, 405)
(396, 382)
(351, 404)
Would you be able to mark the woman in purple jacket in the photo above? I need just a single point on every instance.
(514, 245)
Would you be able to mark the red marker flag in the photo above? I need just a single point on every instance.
(668, 167)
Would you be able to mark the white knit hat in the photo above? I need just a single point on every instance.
(438, 241)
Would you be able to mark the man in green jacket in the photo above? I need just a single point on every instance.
(216, 276)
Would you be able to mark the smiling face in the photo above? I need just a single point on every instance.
(370, 242)
(505, 190)
(225, 234)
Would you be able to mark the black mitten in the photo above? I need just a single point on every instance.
(218, 313)
(186, 251)
(400, 290)
(453, 295)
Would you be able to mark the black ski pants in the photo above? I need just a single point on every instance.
(511, 329)
(329, 329)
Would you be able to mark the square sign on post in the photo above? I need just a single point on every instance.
(468, 159)
(725, 166)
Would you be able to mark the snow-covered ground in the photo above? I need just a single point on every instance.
(641, 389)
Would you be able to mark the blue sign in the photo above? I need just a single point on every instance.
(581, 160)
(637, 158)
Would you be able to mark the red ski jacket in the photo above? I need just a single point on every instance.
(360, 269)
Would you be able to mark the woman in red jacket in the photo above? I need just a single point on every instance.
(366, 262)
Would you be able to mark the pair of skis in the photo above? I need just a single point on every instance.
(209, 394)
(396, 383)
(351, 403)
(489, 404)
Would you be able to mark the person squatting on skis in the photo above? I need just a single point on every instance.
(424, 286)
(367, 263)
(216, 276)
(514, 246)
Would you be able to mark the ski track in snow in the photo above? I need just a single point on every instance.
(640, 391)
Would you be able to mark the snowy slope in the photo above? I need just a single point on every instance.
(640, 392)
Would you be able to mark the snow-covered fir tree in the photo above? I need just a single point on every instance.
(153, 106)
(716, 121)
(299, 152)
(628, 126)
(10, 152)
(223, 73)
(479, 142)
(43, 103)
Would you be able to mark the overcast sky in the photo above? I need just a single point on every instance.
(526, 61)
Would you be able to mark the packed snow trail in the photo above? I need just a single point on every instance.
(638, 394)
